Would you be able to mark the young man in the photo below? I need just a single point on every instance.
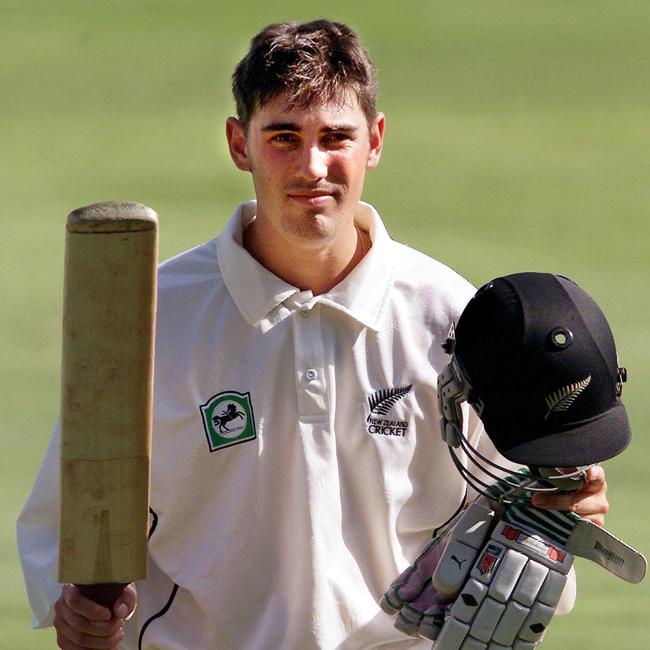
(297, 463)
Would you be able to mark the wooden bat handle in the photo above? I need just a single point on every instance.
(104, 594)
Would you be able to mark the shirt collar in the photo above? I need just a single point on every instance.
(265, 299)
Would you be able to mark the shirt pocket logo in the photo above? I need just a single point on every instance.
(380, 405)
(228, 419)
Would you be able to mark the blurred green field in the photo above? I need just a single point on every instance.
(518, 138)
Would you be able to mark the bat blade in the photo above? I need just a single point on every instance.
(106, 394)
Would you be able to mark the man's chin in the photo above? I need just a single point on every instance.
(313, 214)
(316, 228)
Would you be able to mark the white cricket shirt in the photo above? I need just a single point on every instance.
(297, 465)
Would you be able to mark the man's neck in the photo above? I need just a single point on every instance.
(308, 267)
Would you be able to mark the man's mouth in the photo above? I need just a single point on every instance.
(310, 196)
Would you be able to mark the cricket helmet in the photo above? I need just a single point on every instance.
(535, 356)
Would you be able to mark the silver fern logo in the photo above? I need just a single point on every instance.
(562, 400)
(384, 400)
(381, 403)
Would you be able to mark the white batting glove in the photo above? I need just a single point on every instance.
(421, 605)
(419, 608)
(472, 590)
(514, 587)
(493, 581)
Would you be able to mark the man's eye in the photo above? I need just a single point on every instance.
(284, 138)
(336, 139)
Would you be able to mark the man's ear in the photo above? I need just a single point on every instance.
(376, 140)
(237, 144)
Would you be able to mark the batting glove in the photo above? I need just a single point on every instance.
(421, 605)
(493, 579)
(514, 587)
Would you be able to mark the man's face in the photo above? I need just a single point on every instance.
(308, 166)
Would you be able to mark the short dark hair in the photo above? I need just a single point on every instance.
(314, 62)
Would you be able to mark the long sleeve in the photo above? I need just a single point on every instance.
(38, 537)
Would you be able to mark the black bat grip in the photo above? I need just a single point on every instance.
(105, 593)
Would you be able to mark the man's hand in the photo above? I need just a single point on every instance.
(81, 623)
(590, 502)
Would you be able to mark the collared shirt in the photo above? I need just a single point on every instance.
(297, 465)
(265, 299)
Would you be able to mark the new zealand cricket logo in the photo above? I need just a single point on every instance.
(381, 402)
(228, 419)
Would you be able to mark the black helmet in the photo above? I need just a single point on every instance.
(543, 375)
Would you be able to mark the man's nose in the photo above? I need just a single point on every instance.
(313, 163)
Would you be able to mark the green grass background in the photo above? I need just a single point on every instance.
(518, 138)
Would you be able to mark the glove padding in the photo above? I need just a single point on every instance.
(494, 577)
(468, 587)
(513, 590)
(420, 606)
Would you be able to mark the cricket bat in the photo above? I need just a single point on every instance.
(109, 305)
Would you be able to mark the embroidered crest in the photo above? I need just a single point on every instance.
(228, 419)
(384, 400)
(380, 403)
(562, 399)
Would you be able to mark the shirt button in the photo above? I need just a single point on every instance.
(304, 312)
(311, 374)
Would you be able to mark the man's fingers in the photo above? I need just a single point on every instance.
(84, 606)
(70, 638)
(592, 500)
(126, 603)
(596, 482)
(589, 502)
(78, 630)
(71, 619)
(65, 643)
